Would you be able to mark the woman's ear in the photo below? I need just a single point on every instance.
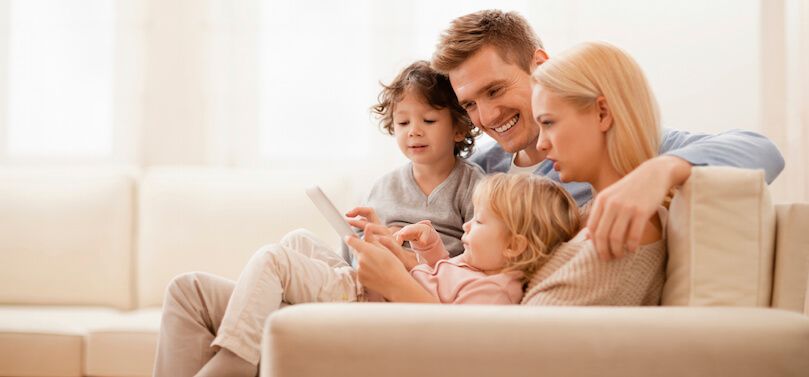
(517, 246)
(604, 114)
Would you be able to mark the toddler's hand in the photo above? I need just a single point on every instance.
(421, 235)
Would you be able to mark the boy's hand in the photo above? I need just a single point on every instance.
(372, 232)
(379, 234)
(359, 217)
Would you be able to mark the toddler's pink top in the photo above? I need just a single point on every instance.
(453, 281)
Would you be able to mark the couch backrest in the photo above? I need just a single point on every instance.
(214, 220)
(721, 235)
(791, 257)
(66, 237)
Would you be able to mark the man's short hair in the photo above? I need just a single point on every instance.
(508, 32)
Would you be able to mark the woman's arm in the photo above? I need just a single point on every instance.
(378, 269)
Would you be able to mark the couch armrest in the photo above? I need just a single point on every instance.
(444, 340)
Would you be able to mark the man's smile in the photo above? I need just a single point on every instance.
(507, 126)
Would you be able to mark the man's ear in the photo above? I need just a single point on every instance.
(517, 246)
(604, 114)
(540, 56)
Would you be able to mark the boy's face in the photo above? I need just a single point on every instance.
(497, 97)
(425, 135)
(485, 240)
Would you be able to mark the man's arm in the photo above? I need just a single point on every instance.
(621, 211)
(736, 148)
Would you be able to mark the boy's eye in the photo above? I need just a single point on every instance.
(547, 123)
(403, 123)
(493, 92)
(429, 121)
(467, 106)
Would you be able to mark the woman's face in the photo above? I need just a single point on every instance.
(574, 139)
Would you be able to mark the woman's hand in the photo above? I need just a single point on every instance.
(378, 269)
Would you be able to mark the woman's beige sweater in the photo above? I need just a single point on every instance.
(574, 275)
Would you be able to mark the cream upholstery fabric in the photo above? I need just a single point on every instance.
(213, 221)
(721, 236)
(46, 341)
(791, 256)
(445, 340)
(66, 237)
(123, 347)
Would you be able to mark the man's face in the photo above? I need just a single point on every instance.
(497, 96)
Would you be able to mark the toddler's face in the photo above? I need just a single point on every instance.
(485, 240)
(425, 135)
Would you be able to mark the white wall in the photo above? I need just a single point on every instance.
(193, 82)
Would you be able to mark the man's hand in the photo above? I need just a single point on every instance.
(621, 211)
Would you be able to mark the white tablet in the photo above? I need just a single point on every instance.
(331, 213)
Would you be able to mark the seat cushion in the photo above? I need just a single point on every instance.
(125, 346)
(721, 236)
(40, 341)
(66, 237)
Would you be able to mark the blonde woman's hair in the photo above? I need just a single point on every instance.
(534, 207)
(585, 72)
(508, 32)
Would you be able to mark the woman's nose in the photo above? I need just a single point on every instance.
(542, 142)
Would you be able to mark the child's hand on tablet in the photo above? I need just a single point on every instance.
(359, 217)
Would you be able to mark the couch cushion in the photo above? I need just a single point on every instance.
(791, 256)
(66, 237)
(38, 341)
(721, 236)
(124, 346)
(214, 220)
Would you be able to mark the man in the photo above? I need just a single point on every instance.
(489, 56)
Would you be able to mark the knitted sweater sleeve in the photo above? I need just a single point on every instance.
(574, 275)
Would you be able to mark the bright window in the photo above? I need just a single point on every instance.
(60, 77)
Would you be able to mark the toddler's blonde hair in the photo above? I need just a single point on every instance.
(533, 207)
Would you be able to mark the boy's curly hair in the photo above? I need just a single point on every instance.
(436, 90)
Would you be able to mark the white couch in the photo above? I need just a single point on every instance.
(87, 255)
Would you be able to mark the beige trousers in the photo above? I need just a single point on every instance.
(203, 312)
